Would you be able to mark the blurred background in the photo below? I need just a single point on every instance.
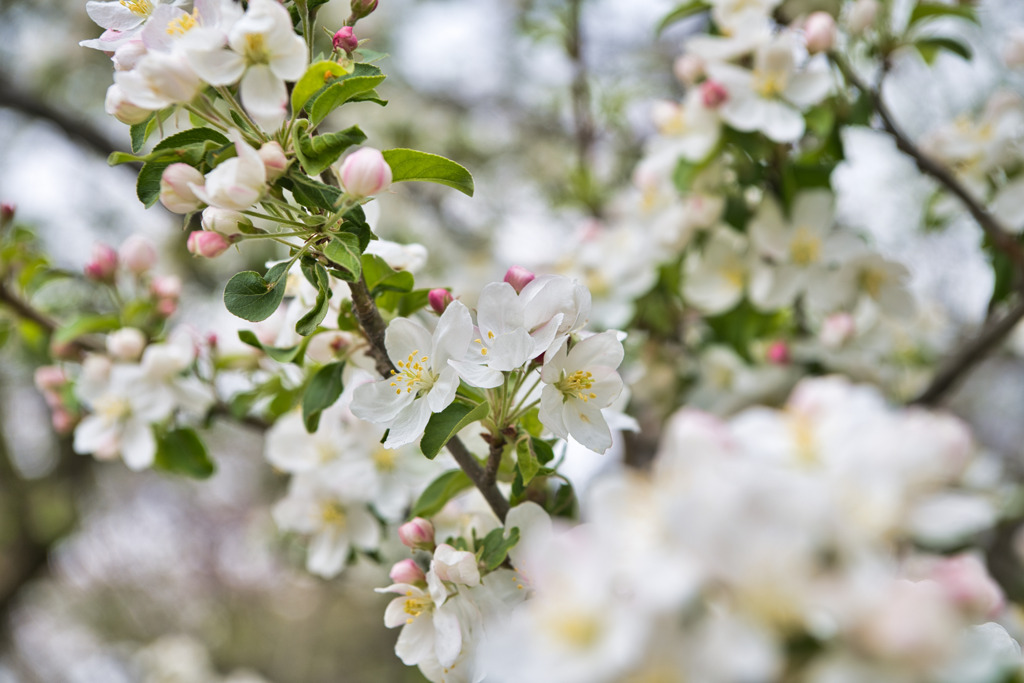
(110, 576)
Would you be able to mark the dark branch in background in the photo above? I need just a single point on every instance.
(969, 355)
(583, 119)
(19, 100)
(25, 311)
(988, 339)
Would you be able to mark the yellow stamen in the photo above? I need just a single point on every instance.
(576, 385)
(140, 7)
(183, 24)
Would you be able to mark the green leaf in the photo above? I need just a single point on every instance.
(343, 250)
(495, 547)
(281, 355)
(86, 324)
(527, 461)
(192, 136)
(316, 76)
(363, 78)
(311, 193)
(320, 151)
(252, 297)
(324, 389)
(410, 164)
(181, 451)
(439, 492)
(380, 277)
(925, 10)
(147, 186)
(444, 425)
(308, 323)
(140, 132)
(679, 13)
(542, 449)
(930, 48)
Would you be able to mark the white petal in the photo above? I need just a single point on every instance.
(217, 67)
(453, 334)
(408, 425)
(138, 446)
(328, 552)
(551, 411)
(113, 15)
(587, 425)
(476, 374)
(781, 122)
(416, 641)
(379, 402)
(264, 96)
(405, 338)
(448, 635)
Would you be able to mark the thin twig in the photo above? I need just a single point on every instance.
(25, 311)
(969, 355)
(998, 234)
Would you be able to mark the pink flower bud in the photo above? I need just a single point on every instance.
(345, 39)
(519, 277)
(365, 173)
(778, 353)
(439, 299)
(417, 533)
(137, 254)
(7, 210)
(862, 15)
(118, 105)
(126, 343)
(362, 8)
(63, 422)
(407, 571)
(967, 583)
(713, 94)
(103, 265)
(175, 193)
(688, 69)
(224, 221)
(274, 160)
(49, 378)
(207, 244)
(166, 307)
(166, 286)
(820, 32)
(837, 329)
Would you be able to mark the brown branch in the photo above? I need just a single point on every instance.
(25, 311)
(969, 355)
(998, 234)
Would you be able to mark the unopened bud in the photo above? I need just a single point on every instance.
(362, 8)
(63, 422)
(49, 378)
(820, 32)
(439, 299)
(274, 160)
(837, 329)
(126, 343)
(175, 193)
(862, 16)
(345, 39)
(165, 308)
(207, 244)
(117, 105)
(713, 94)
(407, 571)
(688, 69)
(103, 265)
(519, 277)
(128, 55)
(417, 533)
(365, 173)
(778, 353)
(7, 210)
(166, 286)
(224, 221)
(137, 254)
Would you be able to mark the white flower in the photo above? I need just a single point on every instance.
(769, 98)
(690, 130)
(264, 52)
(713, 281)
(424, 383)
(578, 383)
(123, 19)
(159, 80)
(237, 183)
(882, 280)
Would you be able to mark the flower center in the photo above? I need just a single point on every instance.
(483, 349)
(384, 460)
(576, 385)
(577, 630)
(768, 84)
(415, 606)
(805, 248)
(871, 281)
(112, 408)
(183, 24)
(415, 374)
(255, 49)
(140, 7)
(333, 514)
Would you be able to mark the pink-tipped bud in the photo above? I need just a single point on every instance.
(417, 533)
(175, 193)
(50, 378)
(365, 173)
(7, 210)
(224, 221)
(688, 69)
(165, 308)
(126, 343)
(778, 353)
(166, 286)
(519, 277)
(121, 108)
(362, 8)
(862, 15)
(137, 254)
(968, 584)
(407, 571)
(63, 421)
(837, 329)
(820, 32)
(103, 264)
(439, 299)
(274, 160)
(345, 39)
(713, 94)
(207, 244)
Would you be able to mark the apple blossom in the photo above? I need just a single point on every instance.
(175, 192)
(117, 105)
(519, 277)
(274, 160)
(407, 571)
(224, 221)
(103, 265)
(137, 254)
(439, 299)
(207, 244)
(820, 32)
(345, 39)
(236, 183)
(365, 173)
(126, 344)
(417, 533)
